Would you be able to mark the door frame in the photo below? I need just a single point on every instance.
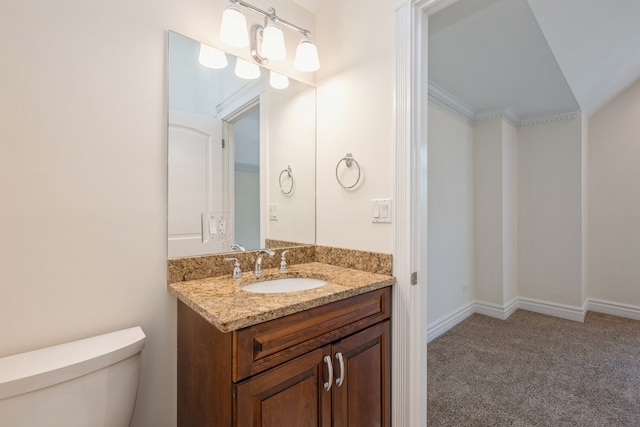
(234, 111)
(409, 336)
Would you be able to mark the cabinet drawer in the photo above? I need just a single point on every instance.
(268, 344)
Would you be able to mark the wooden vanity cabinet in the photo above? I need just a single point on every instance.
(275, 374)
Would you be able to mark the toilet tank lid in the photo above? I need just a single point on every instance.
(33, 370)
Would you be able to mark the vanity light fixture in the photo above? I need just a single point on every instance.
(211, 57)
(267, 42)
(278, 81)
(273, 42)
(233, 30)
(306, 56)
(246, 70)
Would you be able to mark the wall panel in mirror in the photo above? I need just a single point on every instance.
(241, 157)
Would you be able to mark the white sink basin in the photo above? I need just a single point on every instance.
(292, 284)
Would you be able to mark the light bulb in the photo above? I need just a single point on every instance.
(306, 56)
(211, 57)
(233, 30)
(246, 70)
(278, 81)
(273, 43)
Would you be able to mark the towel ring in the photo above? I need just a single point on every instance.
(290, 175)
(348, 161)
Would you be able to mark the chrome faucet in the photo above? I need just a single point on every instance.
(237, 247)
(258, 267)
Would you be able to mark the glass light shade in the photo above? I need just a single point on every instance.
(278, 81)
(211, 57)
(233, 30)
(273, 43)
(246, 70)
(306, 56)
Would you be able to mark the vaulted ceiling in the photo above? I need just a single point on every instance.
(535, 58)
(596, 44)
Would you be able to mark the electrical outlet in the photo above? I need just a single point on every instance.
(222, 228)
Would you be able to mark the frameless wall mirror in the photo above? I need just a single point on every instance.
(241, 155)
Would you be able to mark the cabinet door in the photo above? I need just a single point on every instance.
(363, 399)
(292, 394)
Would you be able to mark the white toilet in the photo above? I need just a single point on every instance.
(87, 383)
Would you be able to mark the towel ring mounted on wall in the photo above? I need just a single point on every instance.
(290, 176)
(348, 161)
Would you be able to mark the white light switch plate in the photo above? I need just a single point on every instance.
(273, 212)
(214, 226)
(381, 210)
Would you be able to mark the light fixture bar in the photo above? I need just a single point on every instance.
(271, 14)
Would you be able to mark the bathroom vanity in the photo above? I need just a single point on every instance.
(319, 357)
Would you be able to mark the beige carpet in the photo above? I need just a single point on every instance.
(535, 370)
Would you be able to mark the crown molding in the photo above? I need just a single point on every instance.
(455, 105)
(542, 120)
(449, 102)
(506, 115)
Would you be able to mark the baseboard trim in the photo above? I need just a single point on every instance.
(614, 308)
(553, 309)
(447, 322)
(563, 311)
(496, 310)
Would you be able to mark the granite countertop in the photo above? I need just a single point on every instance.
(223, 303)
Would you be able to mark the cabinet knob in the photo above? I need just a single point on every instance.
(328, 384)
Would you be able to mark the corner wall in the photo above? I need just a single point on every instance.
(488, 212)
(614, 201)
(550, 212)
(509, 212)
(450, 213)
(528, 235)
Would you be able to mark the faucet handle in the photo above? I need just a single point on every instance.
(236, 268)
(283, 261)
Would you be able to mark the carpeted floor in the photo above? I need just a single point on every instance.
(535, 370)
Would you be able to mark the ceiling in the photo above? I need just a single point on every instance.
(596, 44)
(535, 58)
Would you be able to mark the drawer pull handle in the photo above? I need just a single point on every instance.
(327, 385)
(340, 381)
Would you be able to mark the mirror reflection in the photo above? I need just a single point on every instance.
(241, 156)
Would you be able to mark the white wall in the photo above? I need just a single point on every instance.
(450, 213)
(488, 211)
(509, 212)
(292, 141)
(355, 114)
(584, 144)
(83, 174)
(550, 212)
(496, 211)
(614, 200)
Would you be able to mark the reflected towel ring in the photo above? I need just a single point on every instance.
(290, 175)
(348, 161)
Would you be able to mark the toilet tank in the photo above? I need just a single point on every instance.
(87, 383)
